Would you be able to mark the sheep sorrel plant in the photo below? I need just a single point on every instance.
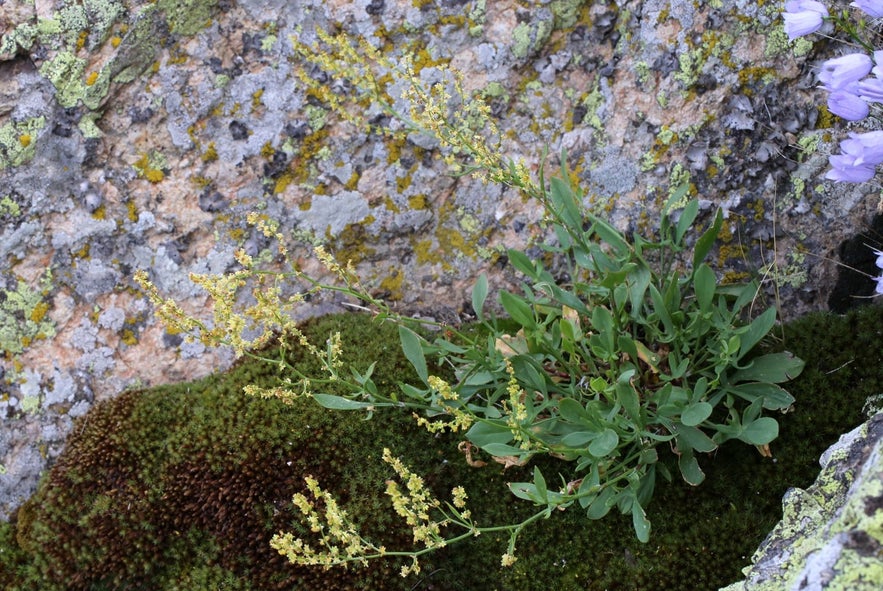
(633, 357)
(637, 353)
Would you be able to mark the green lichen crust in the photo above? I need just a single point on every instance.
(23, 316)
(18, 142)
(76, 35)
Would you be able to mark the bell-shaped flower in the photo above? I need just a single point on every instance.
(843, 170)
(866, 148)
(840, 72)
(871, 89)
(847, 105)
(873, 8)
(860, 155)
(877, 70)
(803, 17)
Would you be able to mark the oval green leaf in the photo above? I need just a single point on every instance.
(760, 432)
(605, 443)
(340, 403)
(694, 414)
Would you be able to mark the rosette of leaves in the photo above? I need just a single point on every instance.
(641, 351)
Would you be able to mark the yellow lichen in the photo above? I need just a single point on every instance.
(128, 337)
(256, 99)
(392, 284)
(417, 202)
(91, 78)
(83, 252)
(39, 312)
(154, 175)
(282, 182)
(353, 182)
(210, 154)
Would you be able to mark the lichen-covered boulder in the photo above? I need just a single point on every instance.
(831, 534)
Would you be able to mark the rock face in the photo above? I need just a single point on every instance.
(137, 134)
(831, 534)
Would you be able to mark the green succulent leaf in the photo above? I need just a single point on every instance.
(760, 431)
(604, 444)
(519, 310)
(690, 470)
(412, 346)
(479, 295)
(696, 413)
(333, 402)
(772, 368)
(640, 523)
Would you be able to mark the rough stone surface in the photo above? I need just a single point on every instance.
(137, 134)
(831, 534)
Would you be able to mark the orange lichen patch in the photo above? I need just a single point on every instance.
(115, 41)
(91, 78)
(25, 140)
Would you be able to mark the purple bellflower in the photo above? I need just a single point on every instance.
(847, 105)
(871, 89)
(803, 17)
(840, 72)
(861, 154)
(873, 8)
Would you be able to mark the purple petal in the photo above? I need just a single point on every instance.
(841, 71)
(871, 148)
(872, 8)
(847, 105)
(845, 173)
(801, 23)
(879, 288)
(871, 89)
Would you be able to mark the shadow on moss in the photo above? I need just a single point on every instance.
(181, 487)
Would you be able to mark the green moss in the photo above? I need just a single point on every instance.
(191, 481)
